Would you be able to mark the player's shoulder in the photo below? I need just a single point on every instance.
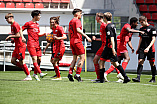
(110, 25)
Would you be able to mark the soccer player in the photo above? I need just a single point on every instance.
(59, 36)
(75, 36)
(110, 49)
(125, 37)
(33, 42)
(99, 19)
(146, 48)
(20, 47)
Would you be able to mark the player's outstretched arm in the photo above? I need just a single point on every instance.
(83, 34)
(40, 35)
(96, 39)
(17, 35)
(134, 31)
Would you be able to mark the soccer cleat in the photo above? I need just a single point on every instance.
(42, 75)
(119, 76)
(98, 81)
(105, 78)
(95, 80)
(77, 78)
(57, 78)
(127, 80)
(152, 81)
(54, 76)
(119, 81)
(135, 79)
(70, 78)
(36, 77)
(27, 79)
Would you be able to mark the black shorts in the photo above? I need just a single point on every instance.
(150, 55)
(107, 54)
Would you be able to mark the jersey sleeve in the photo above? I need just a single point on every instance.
(25, 26)
(153, 32)
(61, 30)
(78, 24)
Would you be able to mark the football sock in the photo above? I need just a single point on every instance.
(110, 70)
(25, 68)
(153, 70)
(78, 70)
(102, 75)
(97, 70)
(139, 70)
(36, 67)
(71, 70)
(124, 65)
(57, 71)
(122, 72)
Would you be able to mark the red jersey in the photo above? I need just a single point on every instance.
(58, 31)
(33, 31)
(15, 28)
(73, 24)
(124, 35)
(103, 32)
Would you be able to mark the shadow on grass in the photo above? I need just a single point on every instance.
(9, 80)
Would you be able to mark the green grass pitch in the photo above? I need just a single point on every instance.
(15, 91)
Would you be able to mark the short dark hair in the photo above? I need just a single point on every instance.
(133, 20)
(76, 10)
(35, 13)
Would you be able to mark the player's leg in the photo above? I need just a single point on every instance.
(153, 70)
(119, 67)
(139, 70)
(56, 68)
(79, 67)
(126, 60)
(96, 65)
(102, 70)
(72, 68)
(151, 58)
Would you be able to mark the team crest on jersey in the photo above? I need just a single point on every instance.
(148, 30)
(56, 30)
(108, 33)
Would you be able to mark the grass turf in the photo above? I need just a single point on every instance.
(15, 91)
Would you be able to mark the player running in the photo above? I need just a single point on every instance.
(110, 49)
(33, 42)
(102, 31)
(20, 47)
(75, 36)
(146, 48)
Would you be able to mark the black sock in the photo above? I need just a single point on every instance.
(153, 70)
(139, 70)
(102, 75)
(120, 68)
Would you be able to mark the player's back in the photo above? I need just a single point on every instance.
(73, 25)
